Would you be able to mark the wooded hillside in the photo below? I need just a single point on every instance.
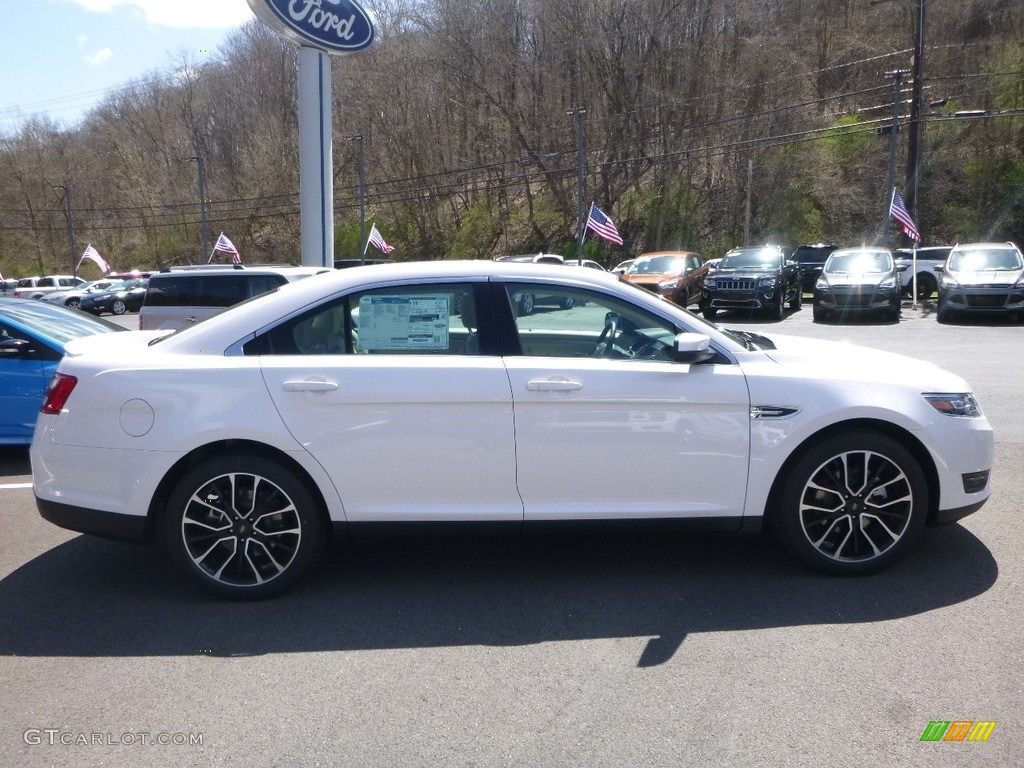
(470, 150)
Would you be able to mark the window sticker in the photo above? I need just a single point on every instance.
(403, 323)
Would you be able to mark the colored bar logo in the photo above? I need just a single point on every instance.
(958, 730)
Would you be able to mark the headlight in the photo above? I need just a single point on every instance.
(768, 282)
(954, 404)
(821, 285)
(668, 285)
(948, 282)
(889, 282)
(710, 283)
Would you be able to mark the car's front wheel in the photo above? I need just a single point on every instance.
(852, 503)
(243, 527)
(73, 303)
(118, 307)
(797, 301)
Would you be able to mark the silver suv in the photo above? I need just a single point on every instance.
(180, 296)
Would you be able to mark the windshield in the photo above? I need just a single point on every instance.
(657, 265)
(761, 259)
(999, 259)
(858, 262)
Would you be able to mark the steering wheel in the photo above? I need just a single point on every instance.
(607, 337)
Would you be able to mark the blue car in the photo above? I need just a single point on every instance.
(32, 339)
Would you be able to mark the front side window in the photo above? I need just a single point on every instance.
(578, 323)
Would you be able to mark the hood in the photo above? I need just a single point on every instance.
(650, 277)
(851, 362)
(987, 277)
(871, 278)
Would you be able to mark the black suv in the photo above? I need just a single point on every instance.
(812, 260)
(753, 278)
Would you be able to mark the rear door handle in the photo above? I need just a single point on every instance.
(310, 385)
(557, 385)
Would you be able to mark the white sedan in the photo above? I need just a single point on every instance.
(415, 395)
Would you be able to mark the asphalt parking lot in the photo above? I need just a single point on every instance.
(562, 651)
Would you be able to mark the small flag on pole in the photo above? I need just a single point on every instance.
(377, 241)
(598, 221)
(899, 212)
(94, 256)
(226, 246)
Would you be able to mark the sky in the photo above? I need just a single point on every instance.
(60, 57)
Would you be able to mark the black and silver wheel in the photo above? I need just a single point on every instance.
(73, 303)
(118, 307)
(243, 527)
(568, 302)
(852, 504)
(926, 286)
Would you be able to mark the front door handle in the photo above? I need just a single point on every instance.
(310, 385)
(556, 385)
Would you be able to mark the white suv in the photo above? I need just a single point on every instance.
(179, 296)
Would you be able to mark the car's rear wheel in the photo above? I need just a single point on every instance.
(73, 303)
(526, 304)
(852, 504)
(118, 307)
(243, 527)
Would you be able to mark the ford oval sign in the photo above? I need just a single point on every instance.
(334, 26)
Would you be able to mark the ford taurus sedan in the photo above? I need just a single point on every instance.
(415, 395)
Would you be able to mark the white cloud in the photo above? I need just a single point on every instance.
(185, 14)
(100, 56)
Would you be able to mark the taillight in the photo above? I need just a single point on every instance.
(57, 393)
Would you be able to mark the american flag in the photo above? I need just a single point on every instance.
(377, 241)
(598, 221)
(899, 212)
(226, 246)
(93, 255)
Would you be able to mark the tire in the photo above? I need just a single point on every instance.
(926, 286)
(798, 300)
(73, 303)
(942, 313)
(820, 315)
(709, 312)
(244, 500)
(568, 302)
(118, 307)
(852, 504)
(777, 311)
(526, 304)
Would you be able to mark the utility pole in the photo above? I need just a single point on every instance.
(198, 160)
(580, 112)
(362, 195)
(69, 218)
(897, 75)
(915, 137)
(746, 218)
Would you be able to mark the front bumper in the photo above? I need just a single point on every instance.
(983, 299)
(857, 300)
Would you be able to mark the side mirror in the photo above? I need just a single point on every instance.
(902, 267)
(940, 267)
(693, 348)
(15, 347)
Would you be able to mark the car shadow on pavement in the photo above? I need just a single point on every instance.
(89, 597)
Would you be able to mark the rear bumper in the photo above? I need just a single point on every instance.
(109, 525)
